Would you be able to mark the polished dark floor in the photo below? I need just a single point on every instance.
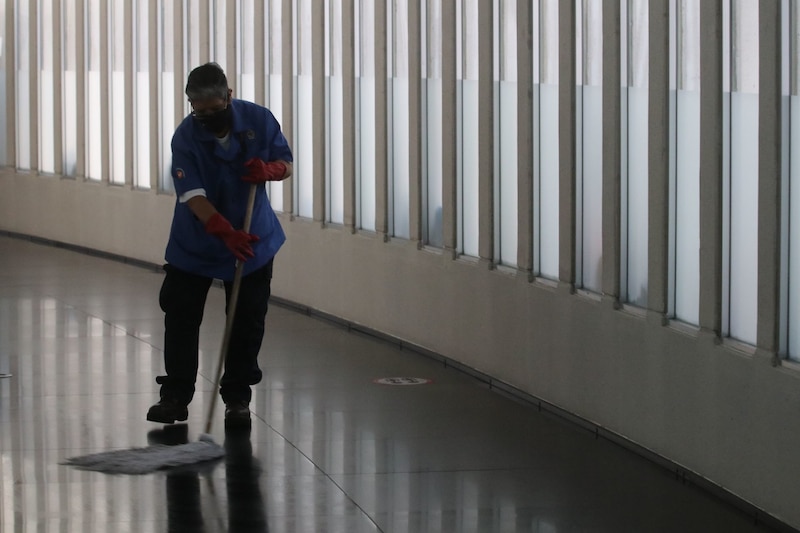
(330, 449)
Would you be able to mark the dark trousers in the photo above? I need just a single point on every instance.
(183, 299)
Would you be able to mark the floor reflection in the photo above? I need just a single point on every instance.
(189, 510)
(330, 450)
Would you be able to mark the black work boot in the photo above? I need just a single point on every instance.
(237, 414)
(167, 411)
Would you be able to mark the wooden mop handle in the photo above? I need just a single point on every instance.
(231, 312)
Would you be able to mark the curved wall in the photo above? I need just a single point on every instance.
(714, 408)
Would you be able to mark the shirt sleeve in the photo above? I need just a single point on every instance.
(188, 195)
(185, 174)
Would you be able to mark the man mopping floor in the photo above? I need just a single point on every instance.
(220, 151)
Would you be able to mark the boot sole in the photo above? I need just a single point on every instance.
(167, 419)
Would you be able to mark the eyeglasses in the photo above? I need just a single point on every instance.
(208, 107)
(208, 112)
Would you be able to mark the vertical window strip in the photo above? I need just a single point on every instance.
(741, 182)
(432, 123)
(168, 88)
(303, 98)
(684, 283)
(273, 69)
(589, 186)
(635, 125)
(334, 108)
(155, 117)
(506, 132)
(142, 98)
(95, 105)
(25, 111)
(792, 185)
(469, 128)
(117, 123)
(546, 124)
(69, 61)
(46, 125)
(246, 46)
(367, 169)
(7, 69)
(399, 91)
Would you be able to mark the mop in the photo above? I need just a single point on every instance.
(162, 456)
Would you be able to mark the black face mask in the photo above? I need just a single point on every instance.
(215, 122)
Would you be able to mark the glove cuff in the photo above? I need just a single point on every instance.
(284, 168)
(218, 225)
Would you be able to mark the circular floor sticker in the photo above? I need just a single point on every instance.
(402, 381)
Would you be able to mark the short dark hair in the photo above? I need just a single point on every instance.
(207, 81)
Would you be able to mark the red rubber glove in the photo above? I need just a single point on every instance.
(237, 241)
(259, 171)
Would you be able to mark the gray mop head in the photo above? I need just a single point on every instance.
(149, 459)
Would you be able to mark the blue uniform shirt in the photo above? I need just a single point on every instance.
(200, 162)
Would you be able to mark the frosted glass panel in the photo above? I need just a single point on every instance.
(193, 49)
(167, 128)
(46, 122)
(467, 71)
(794, 228)
(167, 121)
(219, 44)
(743, 180)
(635, 150)
(6, 72)
(791, 189)
(434, 161)
(304, 105)
(590, 145)
(687, 208)
(143, 157)
(400, 150)
(432, 122)
(23, 86)
(275, 104)
(247, 61)
(470, 148)
(94, 162)
(117, 106)
(143, 102)
(69, 102)
(637, 197)
(399, 142)
(275, 85)
(507, 148)
(684, 283)
(304, 166)
(506, 124)
(545, 135)
(336, 150)
(70, 108)
(548, 210)
(117, 127)
(46, 101)
(94, 143)
(366, 168)
(744, 217)
(3, 118)
(592, 189)
(367, 146)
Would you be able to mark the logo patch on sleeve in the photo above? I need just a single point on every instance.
(179, 173)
